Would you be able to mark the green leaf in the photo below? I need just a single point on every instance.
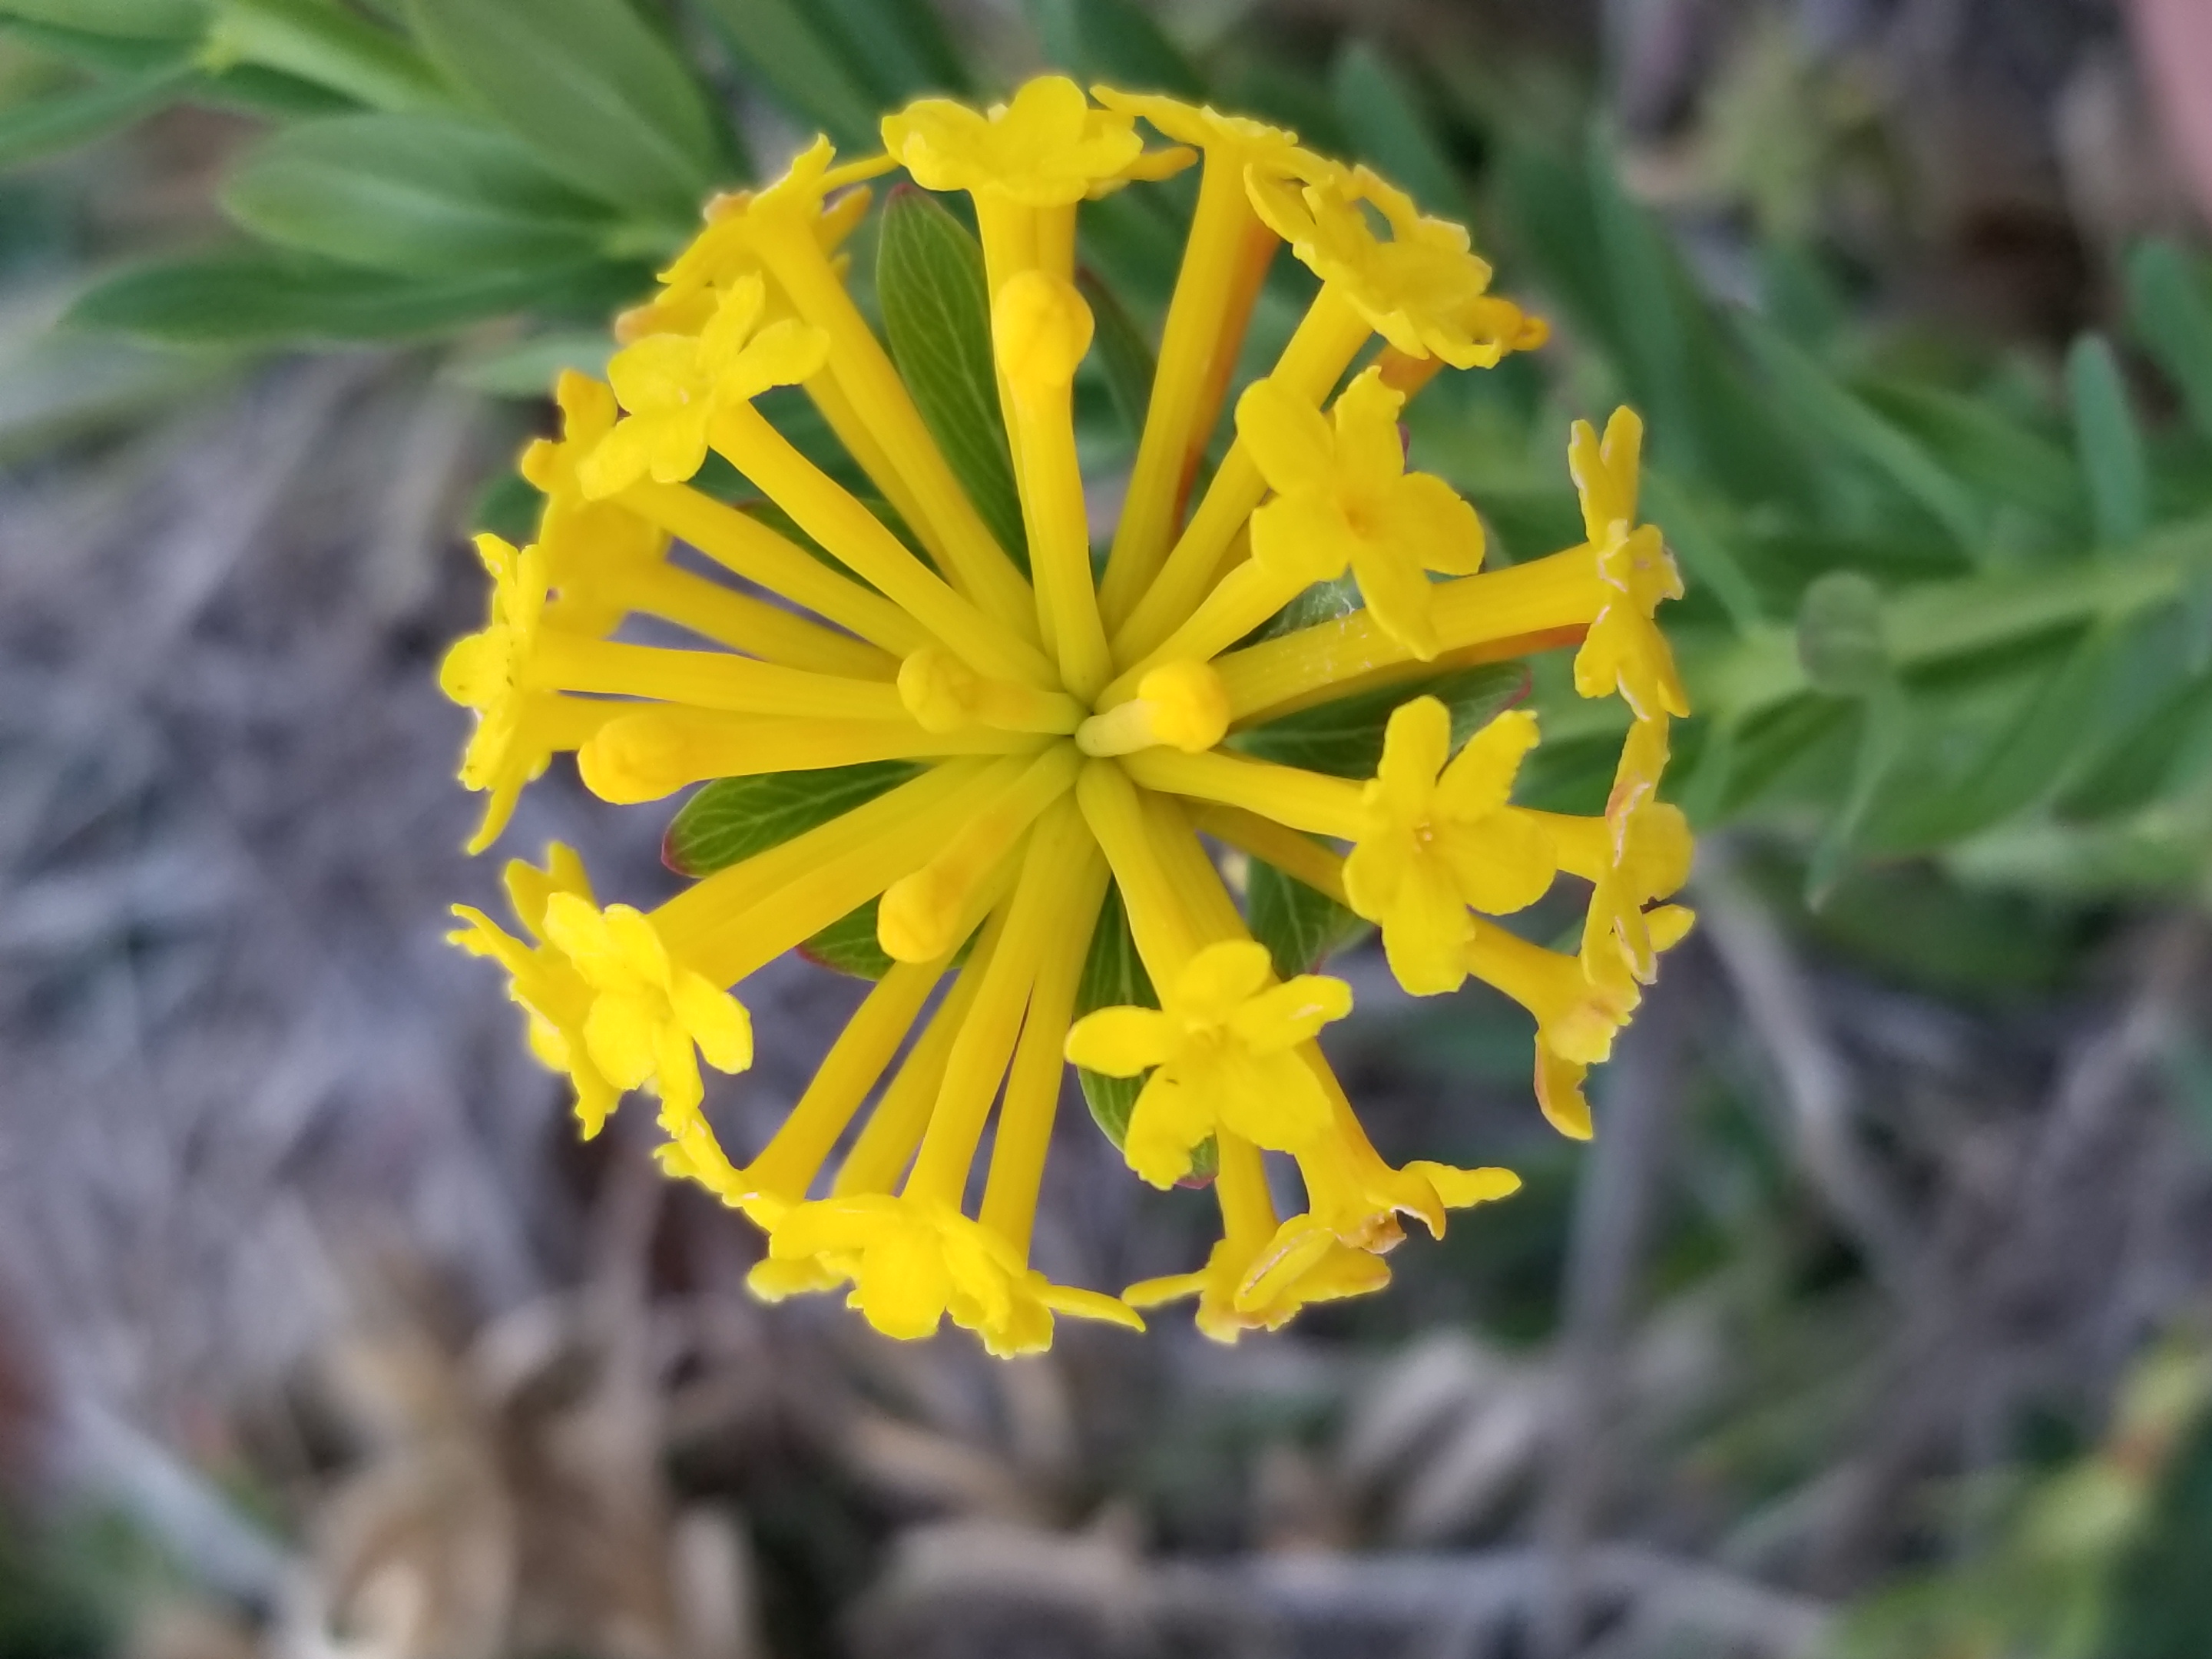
(733, 819)
(321, 41)
(1383, 115)
(1114, 977)
(1840, 642)
(849, 945)
(509, 507)
(898, 48)
(1344, 738)
(1114, 40)
(102, 54)
(1712, 563)
(1299, 926)
(130, 20)
(588, 85)
(2171, 312)
(423, 195)
(2146, 759)
(800, 64)
(527, 368)
(1988, 451)
(1834, 413)
(44, 126)
(2109, 444)
(929, 283)
(1884, 724)
(1124, 355)
(261, 299)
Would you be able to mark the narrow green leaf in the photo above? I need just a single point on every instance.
(1124, 354)
(1884, 718)
(1300, 927)
(508, 506)
(1114, 977)
(527, 368)
(45, 126)
(102, 54)
(2109, 443)
(588, 85)
(1712, 563)
(899, 47)
(1383, 116)
(1647, 300)
(733, 819)
(258, 300)
(129, 20)
(1840, 640)
(423, 195)
(1815, 395)
(1114, 40)
(321, 41)
(1344, 738)
(799, 63)
(1987, 450)
(2171, 312)
(849, 945)
(2146, 759)
(929, 283)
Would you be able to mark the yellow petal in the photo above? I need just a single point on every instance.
(1500, 864)
(784, 353)
(1424, 931)
(1479, 779)
(1460, 1188)
(623, 1039)
(1168, 1122)
(903, 1285)
(620, 459)
(1120, 1041)
(1415, 745)
(1368, 446)
(1559, 1093)
(1397, 594)
(476, 670)
(1286, 437)
(1218, 978)
(1302, 537)
(658, 373)
(717, 1022)
(1424, 513)
(1292, 1012)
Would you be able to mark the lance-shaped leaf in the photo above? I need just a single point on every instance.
(1344, 738)
(731, 819)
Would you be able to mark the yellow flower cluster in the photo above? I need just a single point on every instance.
(1071, 726)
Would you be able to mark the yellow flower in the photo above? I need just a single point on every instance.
(1343, 496)
(1438, 839)
(542, 981)
(1624, 651)
(1221, 1050)
(648, 1011)
(1421, 290)
(1048, 147)
(912, 1261)
(1021, 751)
(674, 384)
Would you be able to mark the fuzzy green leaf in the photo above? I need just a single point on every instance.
(598, 94)
(1383, 115)
(423, 195)
(929, 282)
(1114, 40)
(849, 945)
(2172, 313)
(731, 819)
(1344, 738)
(1300, 927)
(784, 45)
(2109, 443)
(322, 42)
(129, 20)
(261, 299)
(45, 126)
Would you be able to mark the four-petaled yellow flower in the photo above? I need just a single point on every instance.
(1624, 651)
(1343, 496)
(1222, 1051)
(1439, 839)
(648, 1011)
(1034, 753)
(674, 384)
(912, 1261)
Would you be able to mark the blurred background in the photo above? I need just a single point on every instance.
(1876, 1321)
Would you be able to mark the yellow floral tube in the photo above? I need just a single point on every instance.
(705, 679)
(858, 540)
(1303, 800)
(748, 548)
(1561, 590)
(631, 753)
(750, 625)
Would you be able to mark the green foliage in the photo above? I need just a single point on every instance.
(41, 127)
(324, 44)
(937, 316)
(1382, 116)
(423, 196)
(1300, 927)
(1117, 41)
(733, 819)
(602, 99)
(261, 298)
